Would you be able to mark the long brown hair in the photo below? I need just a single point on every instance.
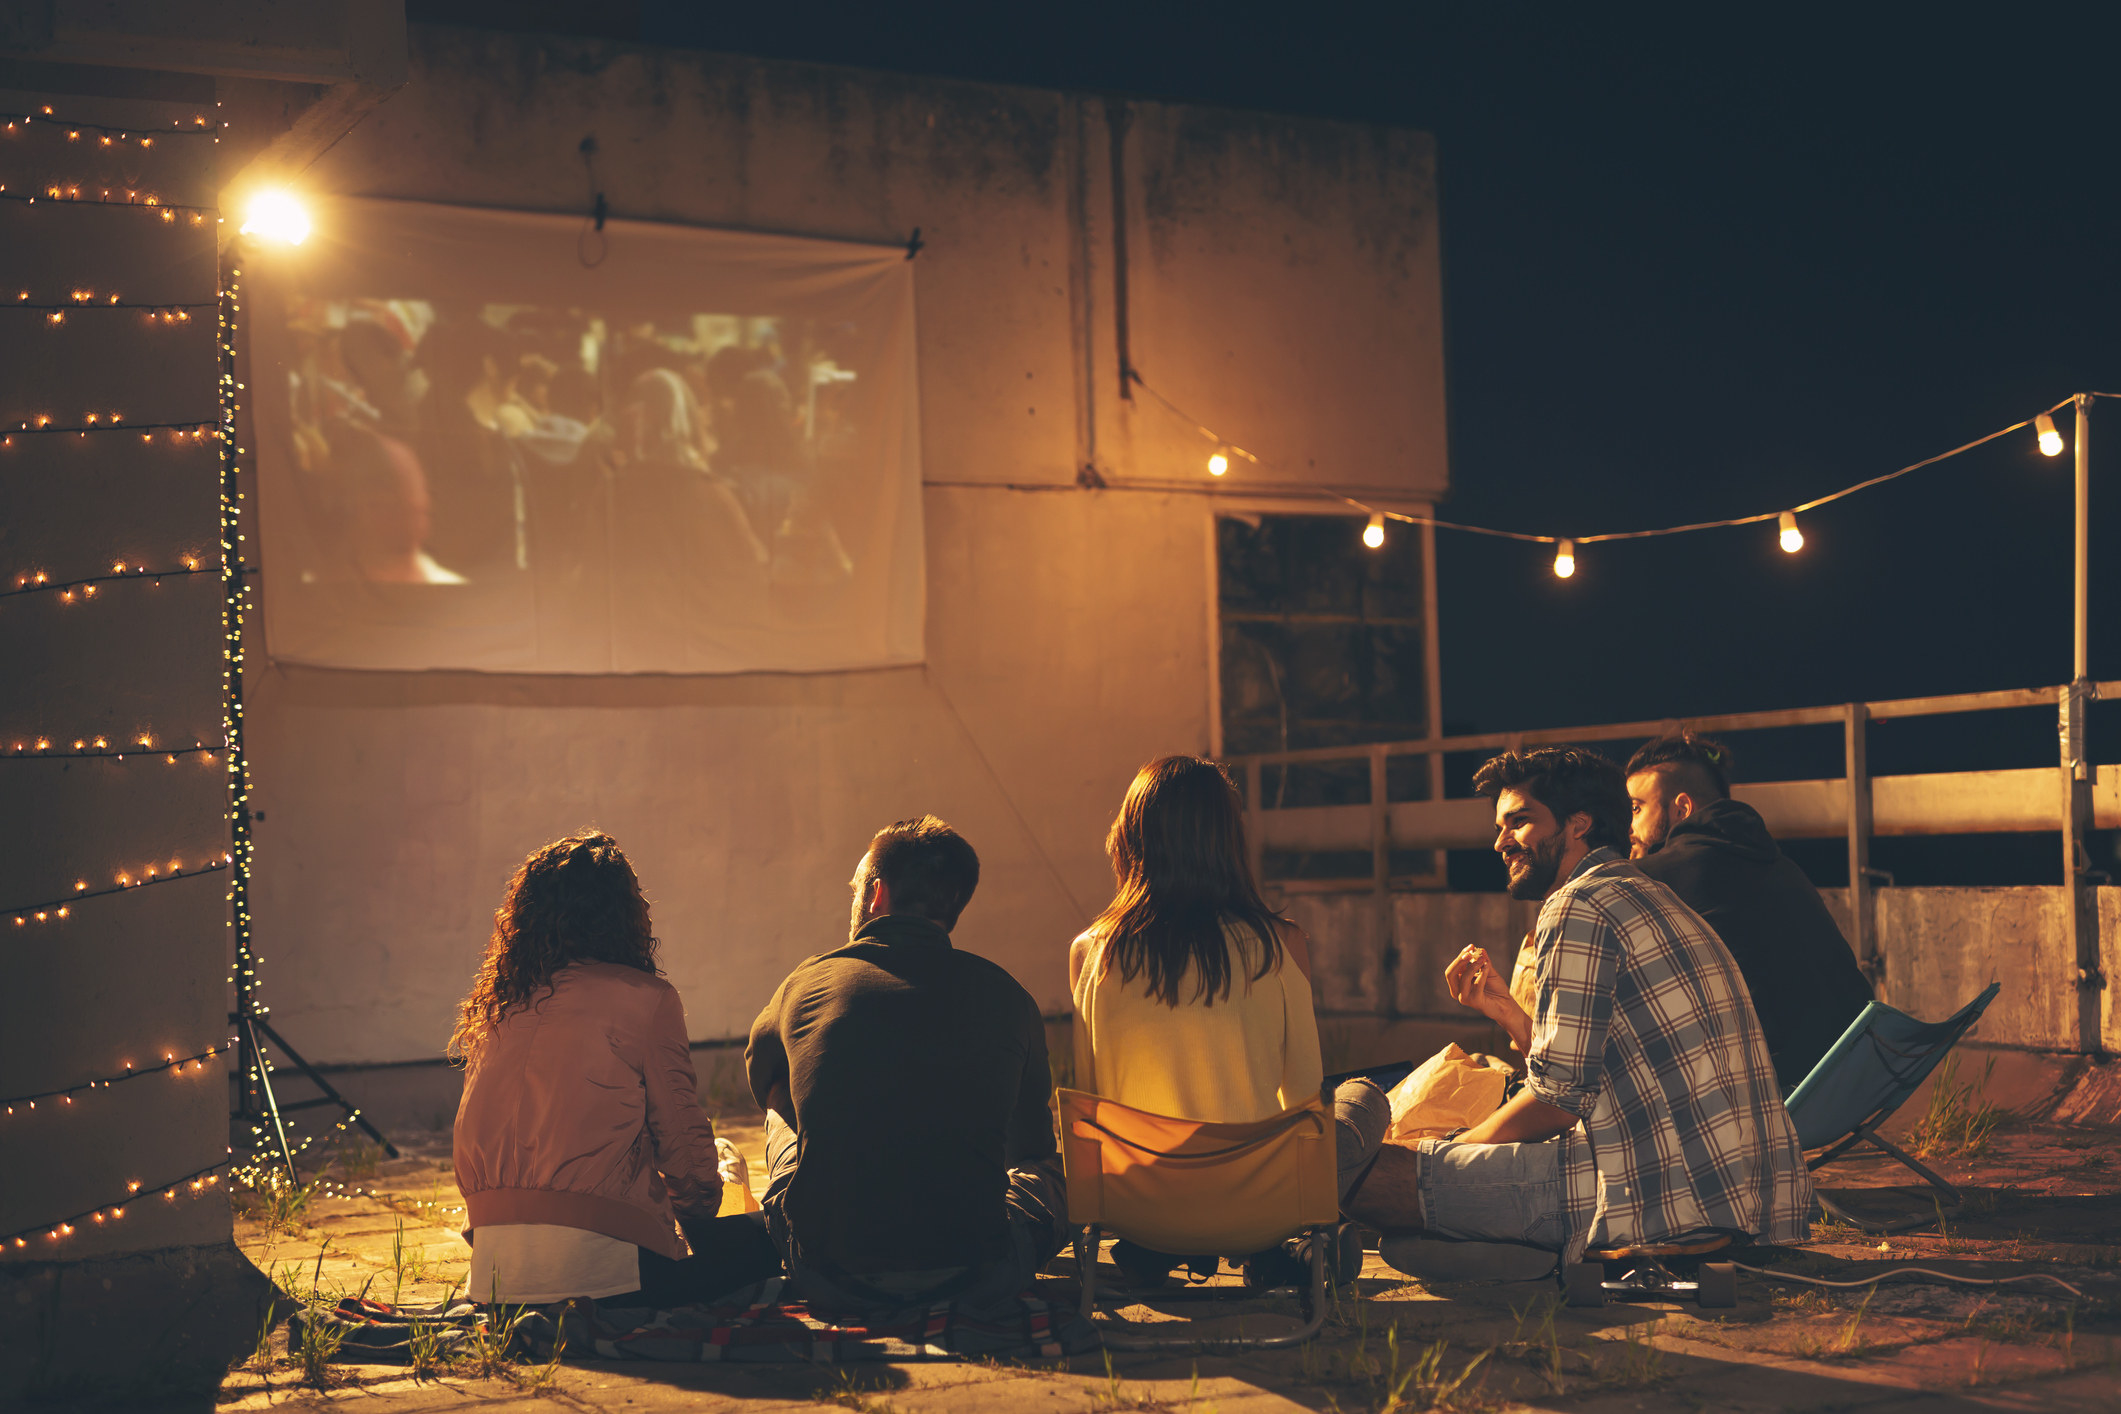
(575, 900)
(1178, 852)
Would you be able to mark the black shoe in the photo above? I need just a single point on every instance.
(1276, 1267)
(1139, 1267)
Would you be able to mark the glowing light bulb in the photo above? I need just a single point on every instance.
(1218, 463)
(2050, 439)
(277, 216)
(1565, 559)
(1373, 534)
(1792, 538)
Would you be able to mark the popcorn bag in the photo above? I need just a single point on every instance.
(1448, 1091)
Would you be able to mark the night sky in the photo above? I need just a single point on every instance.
(1697, 266)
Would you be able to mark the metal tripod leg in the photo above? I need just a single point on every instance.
(263, 1072)
(352, 1111)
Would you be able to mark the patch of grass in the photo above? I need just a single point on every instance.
(1424, 1383)
(1959, 1123)
(1851, 1342)
(317, 1349)
(262, 1357)
(1637, 1363)
(850, 1392)
(357, 1158)
(279, 1205)
(428, 1353)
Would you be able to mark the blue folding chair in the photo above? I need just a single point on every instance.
(1868, 1074)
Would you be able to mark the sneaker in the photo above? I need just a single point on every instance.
(1441, 1259)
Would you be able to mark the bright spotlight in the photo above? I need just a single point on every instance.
(2050, 439)
(276, 216)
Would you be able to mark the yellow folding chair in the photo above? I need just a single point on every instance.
(1182, 1185)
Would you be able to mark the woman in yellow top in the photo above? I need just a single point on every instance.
(1192, 997)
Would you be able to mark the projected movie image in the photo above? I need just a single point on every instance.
(586, 486)
(442, 447)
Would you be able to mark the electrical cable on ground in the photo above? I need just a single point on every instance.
(1774, 1275)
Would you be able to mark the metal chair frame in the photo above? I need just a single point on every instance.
(1910, 1068)
(1316, 1243)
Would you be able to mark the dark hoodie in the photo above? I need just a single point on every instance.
(1806, 987)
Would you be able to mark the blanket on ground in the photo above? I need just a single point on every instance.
(756, 1324)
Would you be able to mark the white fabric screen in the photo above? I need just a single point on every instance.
(478, 450)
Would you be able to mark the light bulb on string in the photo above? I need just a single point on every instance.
(2050, 439)
(1373, 534)
(1791, 537)
(1565, 559)
(1219, 462)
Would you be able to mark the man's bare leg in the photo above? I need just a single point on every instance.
(1389, 1197)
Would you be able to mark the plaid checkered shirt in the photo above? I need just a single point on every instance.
(1643, 1029)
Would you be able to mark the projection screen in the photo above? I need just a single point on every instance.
(506, 442)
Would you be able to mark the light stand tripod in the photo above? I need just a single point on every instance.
(255, 1104)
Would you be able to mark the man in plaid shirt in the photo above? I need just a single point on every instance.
(1650, 1111)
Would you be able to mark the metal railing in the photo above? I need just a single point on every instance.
(1855, 805)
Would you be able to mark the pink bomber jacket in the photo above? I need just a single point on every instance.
(582, 1110)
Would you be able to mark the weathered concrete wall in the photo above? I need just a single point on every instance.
(1280, 273)
(129, 978)
(1941, 947)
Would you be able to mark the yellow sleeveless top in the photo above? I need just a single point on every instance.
(1247, 1057)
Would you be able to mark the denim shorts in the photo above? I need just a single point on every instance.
(1493, 1192)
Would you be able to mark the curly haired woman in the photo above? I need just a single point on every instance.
(580, 1142)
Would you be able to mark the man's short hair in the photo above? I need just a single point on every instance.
(1698, 765)
(930, 868)
(1567, 780)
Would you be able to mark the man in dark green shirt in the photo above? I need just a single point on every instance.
(909, 1124)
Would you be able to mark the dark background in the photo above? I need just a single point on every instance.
(1697, 263)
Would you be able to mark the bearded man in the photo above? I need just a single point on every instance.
(1716, 853)
(1649, 1111)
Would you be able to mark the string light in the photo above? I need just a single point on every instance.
(1373, 534)
(1565, 546)
(141, 748)
(65, 1095)
(1218, 462)
(2050, 439)
(38, 582)
(42, 424)
(1791, 537)
(196, 1182)
(17, 122)
(147, 876)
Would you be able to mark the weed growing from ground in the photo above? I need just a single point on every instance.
(279, 1205)
(261, 1357)
(357, 1158)
(1959, 1122)
(426, 1350)
(849, 1393)
(318, 1348)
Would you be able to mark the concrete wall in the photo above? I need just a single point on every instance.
(1941, 947)
(137, 976)
(1283, 284)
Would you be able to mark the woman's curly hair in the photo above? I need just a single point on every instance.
(575, 900)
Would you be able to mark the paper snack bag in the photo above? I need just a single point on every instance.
(1448, 1091)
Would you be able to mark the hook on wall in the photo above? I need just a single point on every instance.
(592, 237)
